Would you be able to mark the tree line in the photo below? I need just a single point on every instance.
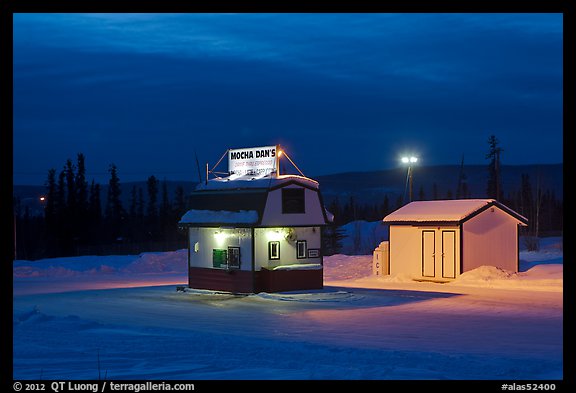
(541, 207)
(79, 220)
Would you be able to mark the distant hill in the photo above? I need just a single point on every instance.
(372, 186)
(367, 187)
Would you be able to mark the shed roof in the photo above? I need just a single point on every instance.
(449, 211)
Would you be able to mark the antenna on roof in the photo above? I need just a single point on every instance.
(208, 170)
(292, 162)
(198, 166)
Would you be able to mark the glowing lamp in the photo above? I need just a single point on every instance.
(275, 234)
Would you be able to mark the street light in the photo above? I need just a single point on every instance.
(410, 160)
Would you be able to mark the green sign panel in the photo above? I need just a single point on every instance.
(219, 258)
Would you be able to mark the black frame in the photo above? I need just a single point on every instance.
(232, 252)
(270, 245)
(314, 253)
(305, 253)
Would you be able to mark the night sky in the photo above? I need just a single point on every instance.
(340, 92)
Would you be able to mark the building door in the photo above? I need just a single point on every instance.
(428, 253)
(449, 254)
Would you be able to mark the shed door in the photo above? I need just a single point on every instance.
(428, 253)
(449, 254)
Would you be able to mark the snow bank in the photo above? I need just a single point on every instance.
(362, 237)
(541, 270)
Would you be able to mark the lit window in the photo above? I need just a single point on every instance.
(301, 249)
(274, 250)
(233, 257)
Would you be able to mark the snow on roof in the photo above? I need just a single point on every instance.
(329, 215)
(253, 181)
(444, 210)
(219, 217)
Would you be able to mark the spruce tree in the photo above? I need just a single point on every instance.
(179, 201)
(152, 208)
(494, 186)
(94, 214)
(50, 209)
(152, 184)
(81, 198)
(140, 205)
(462, 187)
(114, 209)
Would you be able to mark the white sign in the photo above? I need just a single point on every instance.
(252, 161)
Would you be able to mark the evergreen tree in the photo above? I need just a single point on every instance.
(95, 205)
(166, 216)
(435, 195)
(140, 205)
(81, 183)
(494, 186)
(332, 236)
(71, 190)
(81, 198)
(462, 187)
(133, 202)
(399, 202)
(152, 208)
(385, 207)
(61, 247)
(421, 195)
(152, 184)
(114, 209)
(94, 214)
(179, 202)
(165, 206)
(50, 209)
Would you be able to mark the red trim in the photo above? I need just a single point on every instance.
(243, 281)
(290, 280)
(236, 281)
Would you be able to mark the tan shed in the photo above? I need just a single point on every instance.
(439, 240)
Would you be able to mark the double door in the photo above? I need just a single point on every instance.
(439, 253)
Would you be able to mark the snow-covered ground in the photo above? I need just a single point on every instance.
(120, 317)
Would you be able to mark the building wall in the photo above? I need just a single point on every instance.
(262, 237)
(491, 238)
(204, 240)
(273, 216)
(441, 254)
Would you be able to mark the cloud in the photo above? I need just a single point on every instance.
(303, 79)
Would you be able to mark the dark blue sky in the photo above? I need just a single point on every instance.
(340, 92)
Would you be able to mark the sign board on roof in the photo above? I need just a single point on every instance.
(252, 161)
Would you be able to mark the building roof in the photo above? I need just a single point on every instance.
(220, 217)
(238, 201)
(235, 182)
(446, 211)
(227, 207)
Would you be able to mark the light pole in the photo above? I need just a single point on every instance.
(410, 160)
